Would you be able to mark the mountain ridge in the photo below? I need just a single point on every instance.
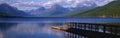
(57, 10)
(107, 11)
(9, 11)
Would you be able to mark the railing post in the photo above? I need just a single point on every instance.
(90, 27)
(80, 26)
(104, 28)
(96, 28)
(116, 31)
(85, 27)
(111, 30)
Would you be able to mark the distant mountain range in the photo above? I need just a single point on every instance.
(59, 11)
(82, 9)
(111, 10)
(9, 11)
(55, 11)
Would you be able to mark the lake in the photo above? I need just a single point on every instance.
(41, 27)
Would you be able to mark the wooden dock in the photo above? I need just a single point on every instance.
(91, 30)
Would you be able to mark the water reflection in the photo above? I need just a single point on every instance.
(33, 30)
(41, 28)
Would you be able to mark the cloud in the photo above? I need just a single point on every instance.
(1, 1)
(30, 4)
(75, 3)
(64, 3)
(102, 2)
(27, 5)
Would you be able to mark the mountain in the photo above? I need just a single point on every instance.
(85, 6)
(38, 12)
(111, 10)
(80, 9)
(55, 10)
(7, 10)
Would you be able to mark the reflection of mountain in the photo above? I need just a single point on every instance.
(6, 10)
(110, 10)
(5, 26)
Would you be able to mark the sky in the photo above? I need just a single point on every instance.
(34, 4)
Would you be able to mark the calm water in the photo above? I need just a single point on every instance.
(41, 27)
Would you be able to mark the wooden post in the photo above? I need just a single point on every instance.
(104, 29)
(111, 30)
(116, 31)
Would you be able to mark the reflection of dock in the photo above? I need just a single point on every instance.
(90, 30)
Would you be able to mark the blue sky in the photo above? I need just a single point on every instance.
(34, 4)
